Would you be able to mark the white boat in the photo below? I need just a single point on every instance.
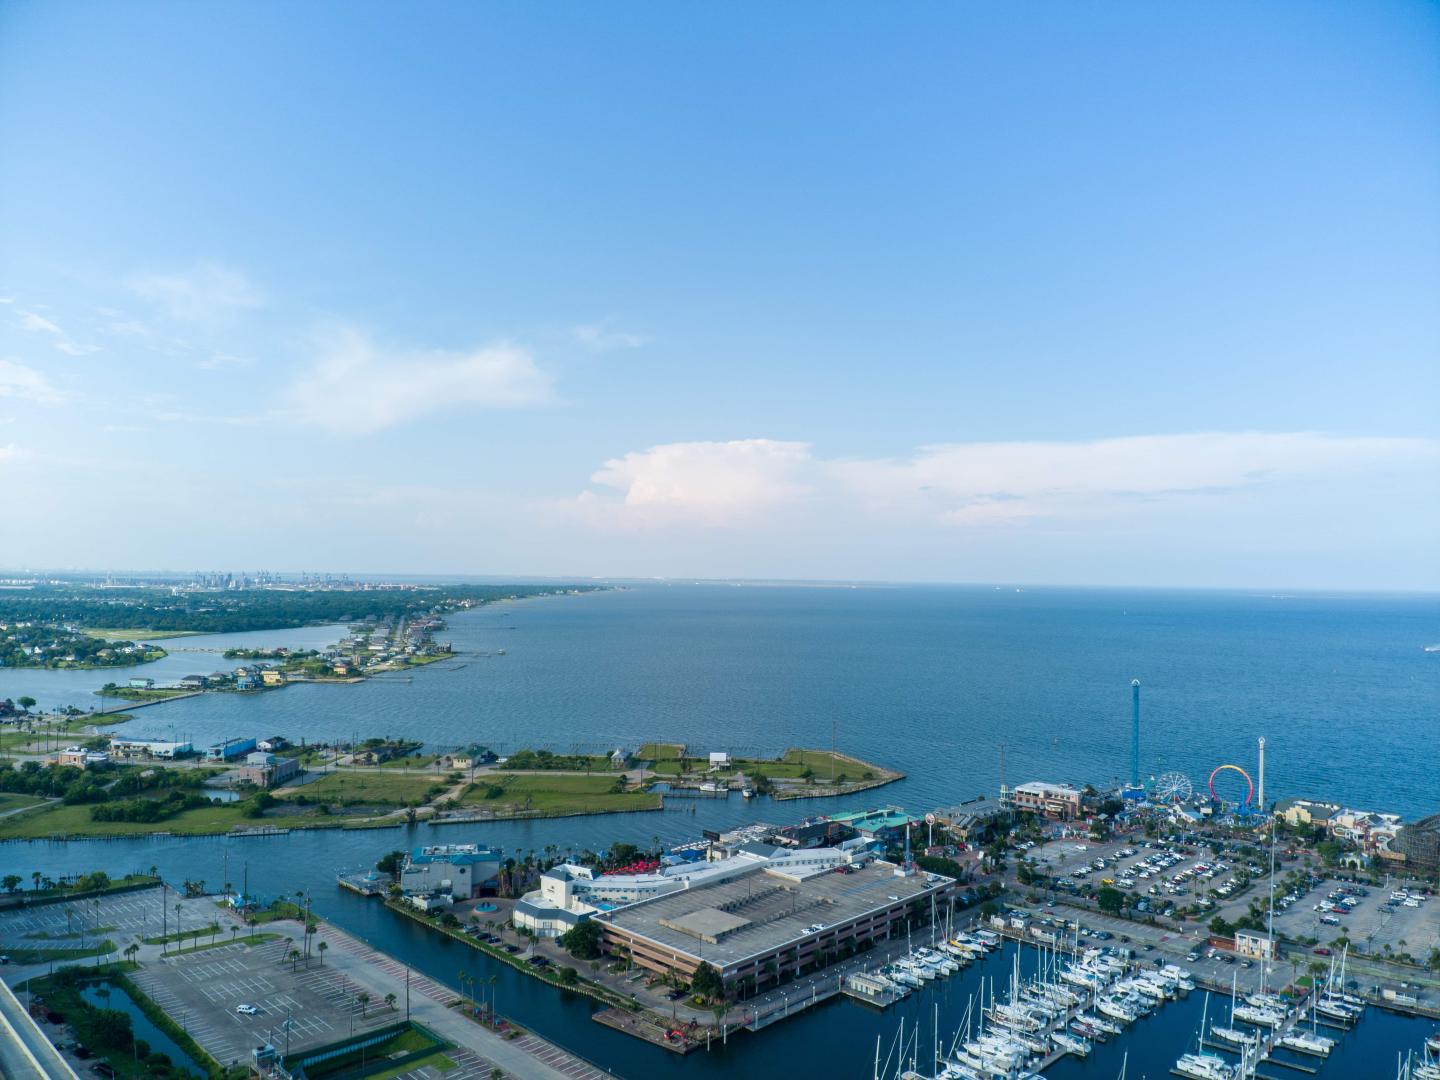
(1252, 1015)
(1115, 1010)
(1071, 1044)
(1235, 1037)
(1109, 1027)
(1307, 1043)
(1205, 1067)
(897, 974)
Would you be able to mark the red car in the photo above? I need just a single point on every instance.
(1321, 951)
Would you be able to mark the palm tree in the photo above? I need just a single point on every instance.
(320, 947)
(130, 951)
(288, 942)
(390, 1000)
(294, 959)
(363, 997)
(35, 877)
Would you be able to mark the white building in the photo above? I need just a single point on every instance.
(149, 748)
(719, 759)
(569, 893)
(456, 871)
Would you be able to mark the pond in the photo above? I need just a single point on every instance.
(106, 995)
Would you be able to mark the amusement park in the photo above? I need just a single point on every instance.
(1230, 789)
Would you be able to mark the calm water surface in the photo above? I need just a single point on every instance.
(929, 680)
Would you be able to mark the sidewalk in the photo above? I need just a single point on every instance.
(527, 1056)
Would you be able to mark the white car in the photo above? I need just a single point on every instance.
(247, 1010)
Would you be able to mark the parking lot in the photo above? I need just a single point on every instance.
(294, 1006)
(1371, 919)
(119, 918)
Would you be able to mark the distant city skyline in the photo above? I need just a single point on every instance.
(1091, 296)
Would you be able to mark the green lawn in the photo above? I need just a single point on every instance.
(557, 794)
(437, 1061)
(664, 751)
(381, 787)
(41, 956)
(10, 801)
(413, 761)
(135, 693)
(183, 935)
(64, 820)
(698, 767)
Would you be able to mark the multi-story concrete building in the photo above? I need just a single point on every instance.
(1055, 801)
(769, 920)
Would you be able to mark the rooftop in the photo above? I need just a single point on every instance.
(757, 912)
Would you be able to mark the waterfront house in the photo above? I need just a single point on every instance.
(137, 683)
(194, 682)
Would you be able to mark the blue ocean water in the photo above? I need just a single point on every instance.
(931, 680)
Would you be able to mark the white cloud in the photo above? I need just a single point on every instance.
(710, 483)
(37, 324)
(219, 361)
(206, 292)
(11, 452)
(19, 381)
(356, 388)
(602, 337)
(69, 348)
(973, 484)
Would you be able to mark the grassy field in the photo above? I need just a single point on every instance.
(381, 787)
(773, 769)
(15, 802)
(42, 956)
(662, 751)
(820, 761)
(553, 794)
(75, 821)
(135, 693)
(412, 762)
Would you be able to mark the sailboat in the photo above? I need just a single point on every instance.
(1200, 1065)
(1233, 1035)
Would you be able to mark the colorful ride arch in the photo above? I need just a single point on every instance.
(1250, 784)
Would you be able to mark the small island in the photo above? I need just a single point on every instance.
(32, 644)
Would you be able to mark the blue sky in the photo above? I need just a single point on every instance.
(1096, 294)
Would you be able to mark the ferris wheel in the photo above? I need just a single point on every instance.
(1173, 787)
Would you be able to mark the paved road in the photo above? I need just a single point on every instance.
(25, 1052)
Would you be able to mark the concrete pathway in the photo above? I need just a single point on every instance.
(527, 1056)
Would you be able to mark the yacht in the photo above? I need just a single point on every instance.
(1307, 1043)
(1253, 1015)
(1205, 1067)
(1235, 1037)
(1071, 1044)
